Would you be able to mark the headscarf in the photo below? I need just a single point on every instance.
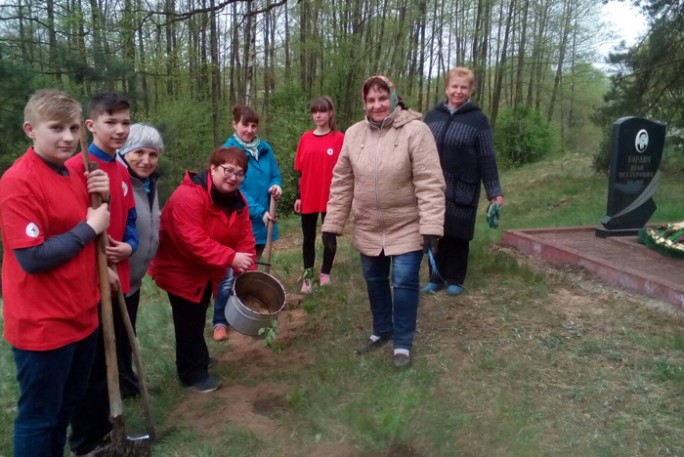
(394, 97)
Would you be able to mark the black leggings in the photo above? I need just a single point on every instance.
(309, 222)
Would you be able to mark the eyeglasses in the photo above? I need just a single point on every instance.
(228, 172)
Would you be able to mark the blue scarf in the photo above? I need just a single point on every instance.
(252, 148)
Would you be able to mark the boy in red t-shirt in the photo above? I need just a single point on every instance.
(49, 273)
(109, 120)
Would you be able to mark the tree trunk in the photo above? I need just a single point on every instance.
(143, 66)
(215, 75)
(169, 30)
(521, 55)
(235, 71)
(501, 65)
(52, 41)
(288, 64)
(567, 15)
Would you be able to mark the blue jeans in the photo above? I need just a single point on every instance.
(221, 299)
(50, 384)
(394, 316)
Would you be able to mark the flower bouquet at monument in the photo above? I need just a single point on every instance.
(668, 238)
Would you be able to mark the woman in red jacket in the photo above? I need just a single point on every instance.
(205, 229)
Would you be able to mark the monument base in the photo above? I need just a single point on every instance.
(622, 261)
(603, 232)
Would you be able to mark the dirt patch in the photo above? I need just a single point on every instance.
(334, 450)
(398, 450)
(252, 408)
(236, 404)
(250, 354)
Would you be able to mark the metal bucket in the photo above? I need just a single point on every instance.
(256, 300)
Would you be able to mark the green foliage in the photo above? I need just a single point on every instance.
(600, 162)
(522, 136)
(650, 79)
(185, 126)
(298, 399)
(17, 82)
(269, 334)
(288, 119)
(588, 85)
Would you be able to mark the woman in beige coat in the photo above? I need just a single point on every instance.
(388, 175)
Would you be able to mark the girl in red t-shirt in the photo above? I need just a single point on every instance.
(316, 157)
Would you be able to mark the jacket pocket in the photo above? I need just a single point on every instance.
(461, 190)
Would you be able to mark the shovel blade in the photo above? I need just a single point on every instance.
(138, 446)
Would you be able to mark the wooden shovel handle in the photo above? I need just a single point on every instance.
(135, 349)
(115, 406)
(266, 257)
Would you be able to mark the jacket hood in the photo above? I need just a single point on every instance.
(398, 118)
(405, 116)
(227, 202)
(198, 177)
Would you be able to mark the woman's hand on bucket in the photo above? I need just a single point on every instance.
(242, 261)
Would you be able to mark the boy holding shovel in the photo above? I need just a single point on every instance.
(49, 273)
(109, 121)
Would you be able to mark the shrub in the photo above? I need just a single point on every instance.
(601, 160)
(522, 136)
(288, 120)
(185, 126)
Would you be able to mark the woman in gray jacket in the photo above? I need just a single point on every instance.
(140, 154)
(388, 176)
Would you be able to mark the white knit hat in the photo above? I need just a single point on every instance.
(142, 136)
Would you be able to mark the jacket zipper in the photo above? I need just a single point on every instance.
(375, 181)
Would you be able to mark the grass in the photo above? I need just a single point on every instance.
(527, 363)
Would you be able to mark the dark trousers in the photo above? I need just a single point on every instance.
(309, 223)
(90, 421)
(192, 354)
(452, 259)
(50, 384)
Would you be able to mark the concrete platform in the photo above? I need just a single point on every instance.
(622, 261)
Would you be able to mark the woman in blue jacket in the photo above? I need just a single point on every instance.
(261, 182)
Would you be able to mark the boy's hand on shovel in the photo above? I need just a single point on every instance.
(114, 281)
(98, 219)
(117, 251)
(98, 183)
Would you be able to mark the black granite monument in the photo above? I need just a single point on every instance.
(635, 152)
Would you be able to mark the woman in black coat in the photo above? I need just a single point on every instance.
(466, 152)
